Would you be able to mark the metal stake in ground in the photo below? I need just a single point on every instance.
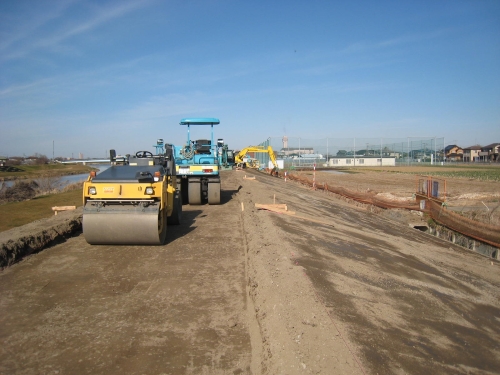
(314, 176)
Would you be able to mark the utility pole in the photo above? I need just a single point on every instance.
(354, 151)
(327, 150)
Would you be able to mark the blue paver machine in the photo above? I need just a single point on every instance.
(197, 165)
(226, 156)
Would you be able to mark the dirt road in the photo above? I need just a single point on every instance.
(332, 289)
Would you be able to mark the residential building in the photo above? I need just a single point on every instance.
(490, 152)
(453, 153)
(471, 154)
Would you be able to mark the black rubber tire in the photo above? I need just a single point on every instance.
(175, 218)
(184, 190)
(194, 191)
(214, 193)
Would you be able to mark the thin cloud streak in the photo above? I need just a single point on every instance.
(103, 16)
(360, 47)
(29, 26)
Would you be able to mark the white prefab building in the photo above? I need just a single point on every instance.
(280, 162)
(361, 162)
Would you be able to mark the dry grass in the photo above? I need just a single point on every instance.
(480, 172)
(16, 214)
(54, 186)
(28, 189)
(489, 215)
(45, 170)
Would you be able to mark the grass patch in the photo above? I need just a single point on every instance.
(16, 214)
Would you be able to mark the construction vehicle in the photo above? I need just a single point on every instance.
(243, 161)
(197, 166)
(226, 156)
(132, 201)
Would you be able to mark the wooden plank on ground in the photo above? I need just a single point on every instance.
(56, 209)
(272, 206)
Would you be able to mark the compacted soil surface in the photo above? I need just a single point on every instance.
(326, 287)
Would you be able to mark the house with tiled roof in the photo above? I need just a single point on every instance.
(453, 153)
(471, 154)
(490, 152)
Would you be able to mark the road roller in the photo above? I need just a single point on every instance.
(198, 165)
(131, 202)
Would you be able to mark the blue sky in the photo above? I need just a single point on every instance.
(87, 76)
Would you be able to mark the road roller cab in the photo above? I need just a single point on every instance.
(132, 201)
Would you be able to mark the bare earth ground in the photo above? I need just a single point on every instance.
(459, 191)
(462, 194)
(333, 289)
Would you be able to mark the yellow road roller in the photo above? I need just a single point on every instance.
(131, 202)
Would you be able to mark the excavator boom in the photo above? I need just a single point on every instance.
(259, 149)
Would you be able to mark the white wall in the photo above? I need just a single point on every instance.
(281, 164)
(361, 162)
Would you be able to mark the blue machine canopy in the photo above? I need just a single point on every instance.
(200, 121)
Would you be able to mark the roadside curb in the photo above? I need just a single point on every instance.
(31, 238)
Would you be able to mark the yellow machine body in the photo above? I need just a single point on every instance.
(130, 204)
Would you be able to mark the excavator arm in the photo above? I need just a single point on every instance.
(272, 157)
(260, 149)
(239, 157)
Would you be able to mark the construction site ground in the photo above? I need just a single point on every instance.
(332, 288)
(400, 183)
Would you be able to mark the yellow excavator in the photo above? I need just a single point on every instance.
(243, 161)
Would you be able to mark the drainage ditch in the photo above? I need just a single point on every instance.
(460, 240)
